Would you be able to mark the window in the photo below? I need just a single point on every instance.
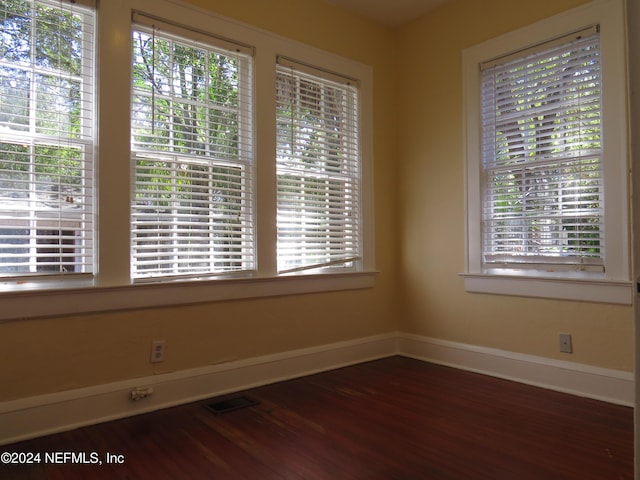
(543, 198)
(546, 162)
(223, 166)
(192, 154)
(46, 138)
(318, 169)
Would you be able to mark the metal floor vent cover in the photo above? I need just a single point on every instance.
(231, 404)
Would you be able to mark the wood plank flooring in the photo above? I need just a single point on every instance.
(390, 419)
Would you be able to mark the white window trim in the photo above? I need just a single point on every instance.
(111, 288)
(31, 301)
(614, 286)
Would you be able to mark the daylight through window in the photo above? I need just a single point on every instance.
(543, 193)
(318, 169)
(192, 154)
(46, 138)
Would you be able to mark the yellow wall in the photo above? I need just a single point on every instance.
(49, 355)
(418, 169)
(430, 139)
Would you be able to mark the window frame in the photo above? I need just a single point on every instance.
(243, 162)
(614, 285)
(75, 214)
(334, 245)
(112, 287)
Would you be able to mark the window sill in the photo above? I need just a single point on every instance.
(585, 288)
(59, 299)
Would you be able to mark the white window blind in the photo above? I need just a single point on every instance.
(192, 208)
(318, 169)
(46, 137)
(542, 157)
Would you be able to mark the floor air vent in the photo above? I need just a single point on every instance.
(231, 404)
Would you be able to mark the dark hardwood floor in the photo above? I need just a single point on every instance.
(395, 418)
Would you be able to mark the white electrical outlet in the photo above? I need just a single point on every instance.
(565, 343)
(158, 348)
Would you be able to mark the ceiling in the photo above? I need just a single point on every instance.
(390, 12)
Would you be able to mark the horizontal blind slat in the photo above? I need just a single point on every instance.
(46, 138)
(317, 170)
(542, 201)
(192, 212)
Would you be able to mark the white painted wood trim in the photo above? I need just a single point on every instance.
(615, 287)
(613, 386)
(46, 414)
(30, 301)
(51, 413)
(582, 290)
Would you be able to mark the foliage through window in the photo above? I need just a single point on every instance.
(318, 169)
(191, 150)
(46, 137)
(542, 157)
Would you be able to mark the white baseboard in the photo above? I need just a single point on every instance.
(613, 386)
(51, 413)
(46, 414)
